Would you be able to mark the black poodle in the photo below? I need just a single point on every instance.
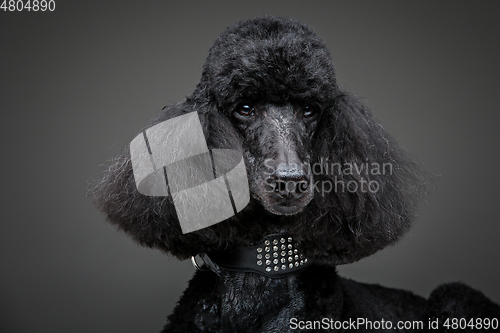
(328, 186)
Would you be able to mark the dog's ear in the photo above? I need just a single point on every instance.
(151, 220)
(367, 186)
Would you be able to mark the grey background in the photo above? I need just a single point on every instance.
(76, 85)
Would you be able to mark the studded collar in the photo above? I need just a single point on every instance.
(276, 256)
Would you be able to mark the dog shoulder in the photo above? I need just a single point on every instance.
(373, 301)
(457, 300)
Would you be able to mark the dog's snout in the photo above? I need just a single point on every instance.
(289, 182)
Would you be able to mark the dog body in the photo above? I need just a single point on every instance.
(320, 170)
(247, 302)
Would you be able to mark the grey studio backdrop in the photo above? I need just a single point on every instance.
(77, 85)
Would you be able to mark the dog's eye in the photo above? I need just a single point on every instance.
(309, 111)
(245, 110)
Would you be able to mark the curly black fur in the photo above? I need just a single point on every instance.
(279, 68)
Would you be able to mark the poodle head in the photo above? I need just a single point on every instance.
(271, 77)
(319, 166)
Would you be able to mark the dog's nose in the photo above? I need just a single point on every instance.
(288, 181)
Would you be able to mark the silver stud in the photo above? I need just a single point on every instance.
(301, 256)
(275, 261)
(283, 247)
(290, 252)
(289, 239)
(267, 242)
(268, 262)
(295, 251)
(275, 241)
(275, 254)
(282, 240)
(259, 249)
(268, 269)
(283, 253)
(305, 260)
(290, 246)
(302, 262)
(290, 259)
(291, 265)
(275, 248)
(283, 260)
(268, 256)
(276, 268)
(267, 249)
(296, 257)
(296, 264)
(283, 266)
(259, 256)
(259, 262)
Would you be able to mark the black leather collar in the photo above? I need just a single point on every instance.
(276, 256)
